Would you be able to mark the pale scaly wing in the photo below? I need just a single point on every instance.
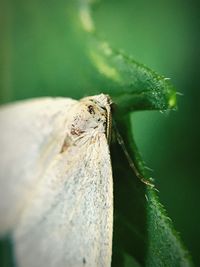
(56, 181)
(31, 134)
(68, 222)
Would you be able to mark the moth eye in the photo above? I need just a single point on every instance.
(76, 131)
(91, 109)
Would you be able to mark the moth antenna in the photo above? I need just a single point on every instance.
(130, 161)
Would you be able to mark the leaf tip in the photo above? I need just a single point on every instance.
(172, 103)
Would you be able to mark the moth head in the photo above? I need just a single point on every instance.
(90, 116)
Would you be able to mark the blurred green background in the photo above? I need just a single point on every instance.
(41, 54)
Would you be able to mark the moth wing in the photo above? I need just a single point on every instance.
(31, 134)
(68, 222)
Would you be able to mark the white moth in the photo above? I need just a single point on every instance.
(56, 192)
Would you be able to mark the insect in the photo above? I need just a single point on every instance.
(56, 188)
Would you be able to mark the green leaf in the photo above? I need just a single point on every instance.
(142, 228)
(132, 85)
(6, 253)
(143, 233)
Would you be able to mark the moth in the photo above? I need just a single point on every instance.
(56, 188)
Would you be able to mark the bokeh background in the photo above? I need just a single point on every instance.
(41, 54)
